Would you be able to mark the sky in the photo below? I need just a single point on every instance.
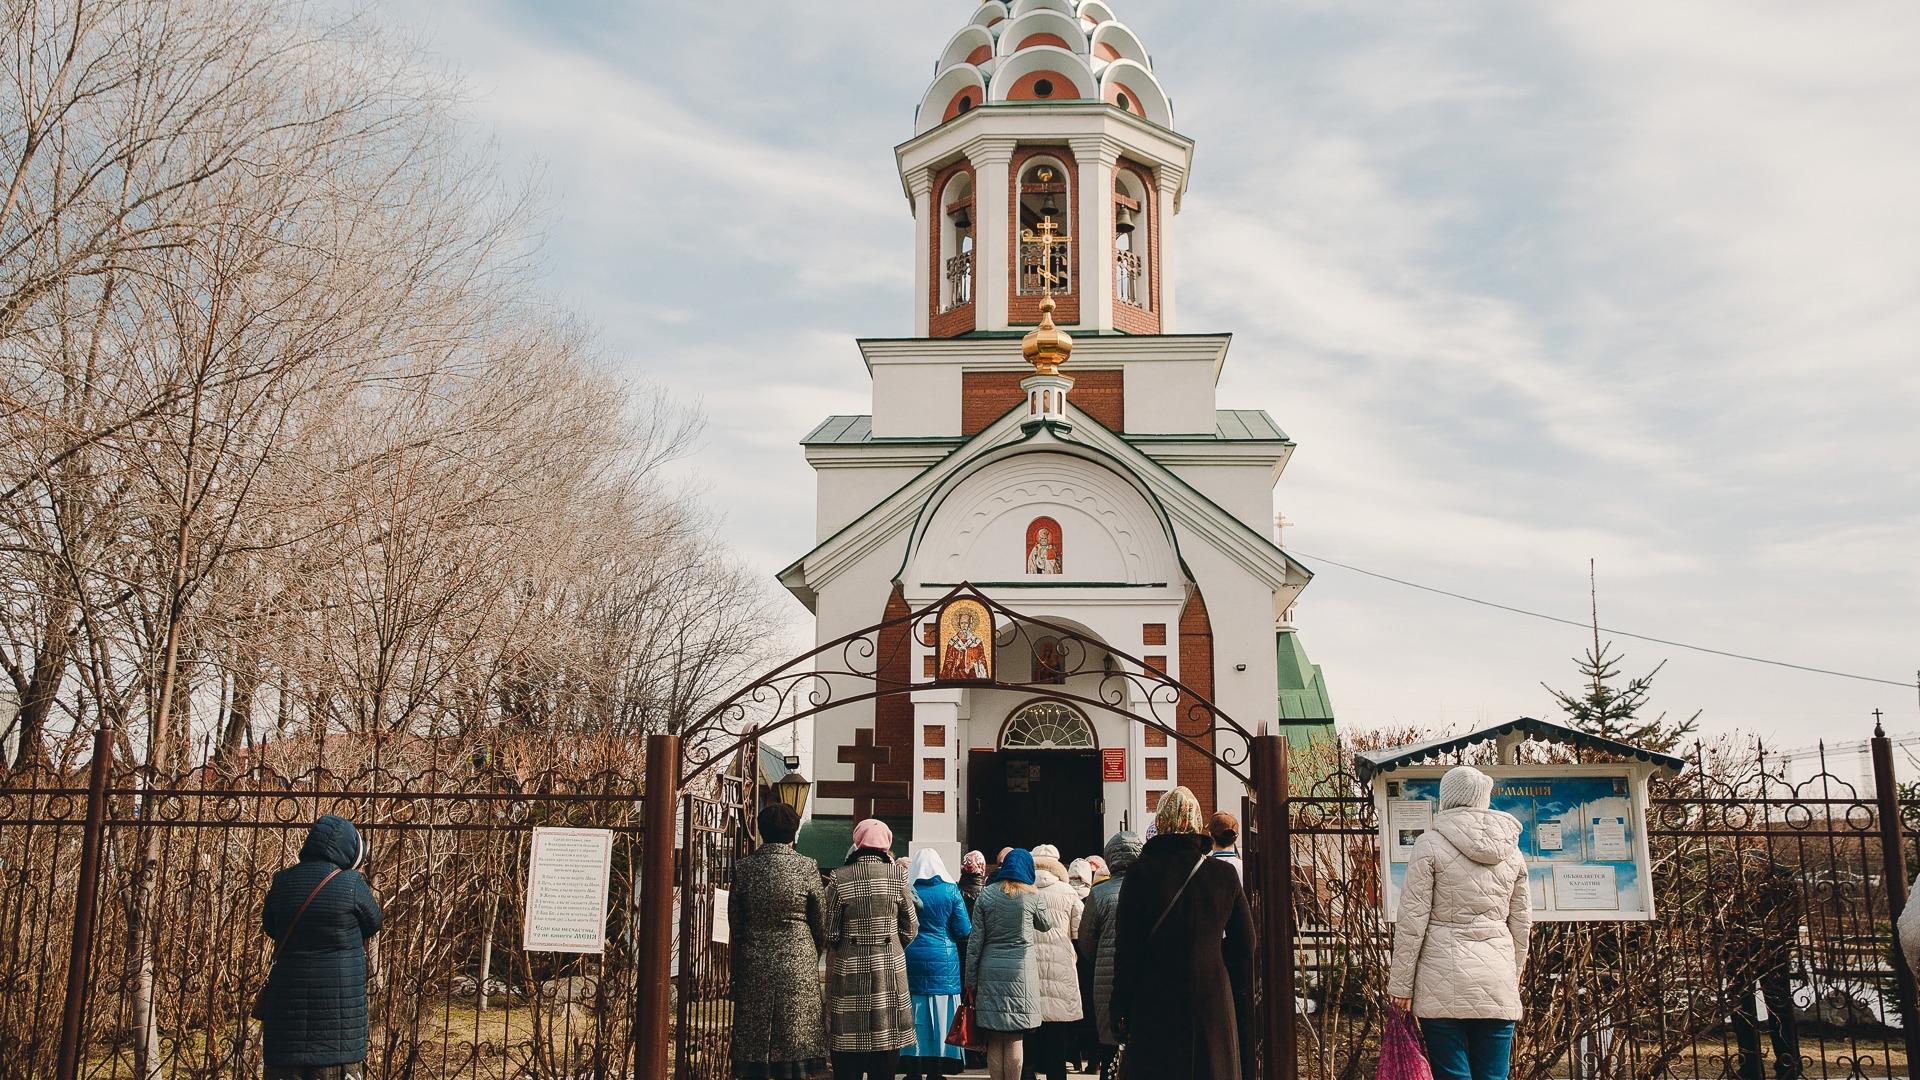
(1529, 284)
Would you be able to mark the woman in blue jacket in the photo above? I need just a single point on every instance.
(933, 969)
(315, 1007)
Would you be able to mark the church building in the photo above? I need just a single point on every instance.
(1049, 437)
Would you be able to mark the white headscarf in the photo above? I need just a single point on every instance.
(928, 864)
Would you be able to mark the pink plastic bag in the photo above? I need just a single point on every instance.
(1401, 1055)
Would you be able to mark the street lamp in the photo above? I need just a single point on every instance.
(792, 790)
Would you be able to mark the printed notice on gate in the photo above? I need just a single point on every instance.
(567, 874)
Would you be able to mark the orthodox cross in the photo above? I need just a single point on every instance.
(863, 789)
(1280, 523)
(1044, 238)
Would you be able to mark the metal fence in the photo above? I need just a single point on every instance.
(177, 953)
(1771, 956)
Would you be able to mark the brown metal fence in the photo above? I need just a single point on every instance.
(1771, 956)
(178, 955)
(716, 835)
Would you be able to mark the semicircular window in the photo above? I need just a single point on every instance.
(1048, 725)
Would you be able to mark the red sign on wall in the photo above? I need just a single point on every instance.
(1113, 765)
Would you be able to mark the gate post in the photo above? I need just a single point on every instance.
(80, 954)
(1275, 870)
(651, 984)
(1893, 855)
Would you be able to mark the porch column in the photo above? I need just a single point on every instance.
(936, 768)
(926, 287)
(992, 160)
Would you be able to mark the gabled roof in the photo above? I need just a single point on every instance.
(1229, 425)
(1370, 762)
(1301, 687)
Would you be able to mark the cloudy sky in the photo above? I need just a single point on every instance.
(1528, 283)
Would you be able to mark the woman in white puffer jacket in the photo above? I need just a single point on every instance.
(1460, 935)
(1059, 969)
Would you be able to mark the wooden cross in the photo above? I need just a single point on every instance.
(863, 789)
(1046, 236)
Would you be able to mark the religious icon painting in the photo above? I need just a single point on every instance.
(966, 642)
(1049, 661)
(1044, 547)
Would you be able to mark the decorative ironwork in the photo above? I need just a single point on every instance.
(959, 280)
(1129, 278)
(1048, 725)
(1087, 674)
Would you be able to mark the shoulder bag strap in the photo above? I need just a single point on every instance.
(1197, 863)
(288, 936)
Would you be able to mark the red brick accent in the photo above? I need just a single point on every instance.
(1044, 39)
(933, 768)
(985, 396)
(893, 716)
(926, 667)
(1153, 633)
(1025, 310)
(960, 320)
(1196, 671)
(1157, 664)
(1156, 768)
(1156, 737)
(1125, 316)
(934, 734)
(933, 802)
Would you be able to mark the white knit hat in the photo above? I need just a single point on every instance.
(1466, 786)
(1046, 851)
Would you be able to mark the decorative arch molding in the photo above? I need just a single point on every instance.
(1067, 29)
(1095, 11)
(1016, 66)
(1023, 7)
(963, 44)
(1129, 531)
(946, 87)
(1142, 86)
(989, 13)
(1122, 40)
(1046, 724)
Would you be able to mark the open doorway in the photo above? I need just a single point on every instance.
(1023, 798)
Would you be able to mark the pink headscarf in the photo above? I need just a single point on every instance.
(873, 833)
(975, 862)
(1097, 866)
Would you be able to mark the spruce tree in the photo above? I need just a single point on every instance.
(1602, 707)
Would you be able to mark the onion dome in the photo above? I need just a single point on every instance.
(1036, 51)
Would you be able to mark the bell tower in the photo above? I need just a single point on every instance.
(1044, 110)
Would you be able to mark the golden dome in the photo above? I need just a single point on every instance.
(1046, 346)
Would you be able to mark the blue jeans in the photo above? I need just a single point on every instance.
(1468, 1049)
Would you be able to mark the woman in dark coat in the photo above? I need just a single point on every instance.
(777, 916)
(1177, 989)
(314, 1015)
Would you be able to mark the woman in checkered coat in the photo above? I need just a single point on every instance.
(870, 921)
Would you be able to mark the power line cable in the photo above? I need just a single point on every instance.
(1907, 685)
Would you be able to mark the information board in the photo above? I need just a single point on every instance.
(567, 875)
(1582, 830)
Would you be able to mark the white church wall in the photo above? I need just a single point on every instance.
(855, 599)
(1241, 488)
(1170, 397)
(846, 493)
(916, 400)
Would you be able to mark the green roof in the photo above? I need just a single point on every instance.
(1370, 762)
(1229, 425)
(1303, 705)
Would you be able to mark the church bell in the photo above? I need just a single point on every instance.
(1123, 220)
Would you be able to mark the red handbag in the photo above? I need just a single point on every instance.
(964, 1031)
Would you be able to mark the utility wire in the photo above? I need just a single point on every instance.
(1605, 629)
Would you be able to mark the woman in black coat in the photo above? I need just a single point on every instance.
(1177, 989)
(315, 1007)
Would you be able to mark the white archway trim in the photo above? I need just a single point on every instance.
(988, 12)
(1143, 86)
(1065, 27)
(961, 45)
(1095, 10)
(1123, 40)
(1048, 725)
(1021, 7)
(933, 107)
(947, 549)
(1069, 65)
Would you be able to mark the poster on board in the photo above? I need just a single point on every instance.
(567, 875)
(1582, 830)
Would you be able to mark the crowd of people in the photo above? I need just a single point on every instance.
(1054, 959)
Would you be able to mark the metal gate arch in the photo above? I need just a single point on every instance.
(853, 669)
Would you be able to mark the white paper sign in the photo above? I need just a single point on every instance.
(1407, 818)
(1546, 836)
(1610, 839)
(1587, 887)
(722, 929)
(567, 875)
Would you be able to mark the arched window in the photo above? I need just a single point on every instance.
(956, 243)
(1048, 725)
(1131, 234)
(1044, 194)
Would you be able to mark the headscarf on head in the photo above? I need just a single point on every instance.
(928, 864)
(1179, 812)
(1015, 866)
(1466, 786)
(1096, 869)
(1080, 877)
(1002, 857)
(973, 863)
(873, 833)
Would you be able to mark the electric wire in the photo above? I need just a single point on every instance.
(1905, 684)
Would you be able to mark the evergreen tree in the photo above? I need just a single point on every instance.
(1602, 707)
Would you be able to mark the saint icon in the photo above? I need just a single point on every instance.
(1043, 547)
(965, 653)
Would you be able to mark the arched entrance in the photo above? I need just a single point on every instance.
(1040, 784)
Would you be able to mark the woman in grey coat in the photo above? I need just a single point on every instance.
(871, 918)
(1099, 930)
(1003, 967)
(777, 912)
